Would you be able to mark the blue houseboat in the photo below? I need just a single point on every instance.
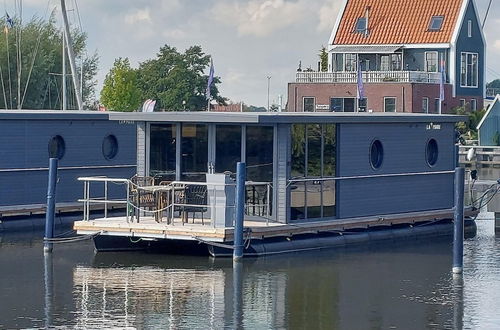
(313, 180)
(86, 143)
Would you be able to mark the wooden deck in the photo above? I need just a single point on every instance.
(148, 228)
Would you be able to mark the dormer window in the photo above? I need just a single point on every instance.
(436, 23)
(361, 25)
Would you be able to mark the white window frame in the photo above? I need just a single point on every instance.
(304, 103)
(469, 28)
(427, 62)
(466, 85)
(462, 103)
(353, 62)
(395, 103)
(425, 104)
(473, 102)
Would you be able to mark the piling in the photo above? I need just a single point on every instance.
(458, 222)
(51, 204)
(240, 211)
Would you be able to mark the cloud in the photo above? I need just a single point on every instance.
(328, 14)
(259, 17)
(139, 16)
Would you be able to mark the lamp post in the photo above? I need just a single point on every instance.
(268, 85)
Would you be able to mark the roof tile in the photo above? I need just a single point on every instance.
(398, 21)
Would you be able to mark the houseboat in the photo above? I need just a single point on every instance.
(86, 143)
(314, 180)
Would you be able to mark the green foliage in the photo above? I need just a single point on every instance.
(41, 66)
(469, 128)
(174, 77)
(493, 84)
(120, 91)
(496, 139)
(323, 58)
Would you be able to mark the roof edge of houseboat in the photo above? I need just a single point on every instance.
(53, 115)
(284, 118)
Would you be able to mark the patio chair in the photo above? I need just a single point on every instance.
(140, 198)
(195, 195)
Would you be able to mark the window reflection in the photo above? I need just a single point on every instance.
(259, 153)
(313, 157)
(228, 148)
(194, 149)
(162, 152)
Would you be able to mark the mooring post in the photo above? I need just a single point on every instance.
(240, 211)
(51, 204)
(458, 221)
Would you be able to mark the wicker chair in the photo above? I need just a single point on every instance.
(195, 195)
(141, 199)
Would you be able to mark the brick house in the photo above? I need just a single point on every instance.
(406, 50)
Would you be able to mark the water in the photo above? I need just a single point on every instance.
(387, 286)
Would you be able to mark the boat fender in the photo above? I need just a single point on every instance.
(470, 154)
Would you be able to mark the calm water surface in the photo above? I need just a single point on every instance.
(391, 286)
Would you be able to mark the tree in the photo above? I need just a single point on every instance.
(493, 84)
(120, 91)
(41, 63)
(173, 78)
(323, 58)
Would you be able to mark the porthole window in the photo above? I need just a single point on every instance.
(110, 147)
(376, 154)
(432, 152)
(57, 147)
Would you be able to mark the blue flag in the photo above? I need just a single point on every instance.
(210, 79)
(9, 21)
(361, 88)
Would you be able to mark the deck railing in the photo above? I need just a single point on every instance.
(368, 77)
(210, 201)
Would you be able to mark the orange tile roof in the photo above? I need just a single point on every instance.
(398, 21)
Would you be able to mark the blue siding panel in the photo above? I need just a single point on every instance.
(404, 152)
(473, 45)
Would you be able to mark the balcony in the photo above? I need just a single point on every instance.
(368, 77)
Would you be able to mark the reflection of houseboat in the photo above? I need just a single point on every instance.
(311, 178)
(86, 143)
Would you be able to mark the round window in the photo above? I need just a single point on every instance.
(110, 147)
(376, 154)
(432, 152)
(57, 147)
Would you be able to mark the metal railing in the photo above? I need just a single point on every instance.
(480, 155)
(368, 77)
(213, 202)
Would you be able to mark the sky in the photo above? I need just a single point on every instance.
(248, 40)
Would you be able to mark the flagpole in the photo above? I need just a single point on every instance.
(8, 64)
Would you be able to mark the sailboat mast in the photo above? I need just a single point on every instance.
(64, 102)
(71, 56)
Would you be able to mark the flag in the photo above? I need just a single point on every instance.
(361, 88)
(8, 21)
(148, 106)
(210, 79)
(441, 82)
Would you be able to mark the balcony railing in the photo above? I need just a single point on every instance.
(369, 77)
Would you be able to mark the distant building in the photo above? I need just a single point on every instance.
(403, 48)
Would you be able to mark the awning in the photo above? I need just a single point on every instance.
(364, 49)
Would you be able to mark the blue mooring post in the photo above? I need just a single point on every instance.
(51, 204)
(458, 221)
(240, 211)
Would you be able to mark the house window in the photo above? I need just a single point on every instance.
(350, 62)
(389, 104)
(469, 70)
(384, 63)
(342, 104)
(308, 105)
(437, 105)
(462, 103)
(362, 105)
(396, 62)
(361, 25)
(473, 105)
(338, 60)
(436, 23)
(431, 61)
(469, 28)
(425, 105)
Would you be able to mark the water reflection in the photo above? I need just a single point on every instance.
(392, 285)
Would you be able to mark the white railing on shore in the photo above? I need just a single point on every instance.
(368, 77)
(167, 199)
